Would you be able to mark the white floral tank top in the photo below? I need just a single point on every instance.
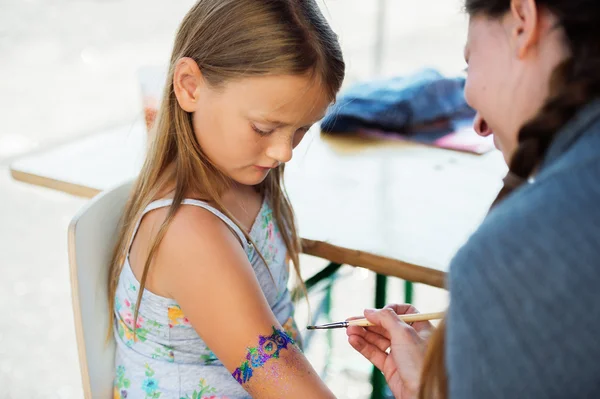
(168, 360)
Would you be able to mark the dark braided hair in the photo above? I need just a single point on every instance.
(574, 83)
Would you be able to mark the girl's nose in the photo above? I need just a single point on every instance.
(280, 151)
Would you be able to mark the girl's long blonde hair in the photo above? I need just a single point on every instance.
(228, 39)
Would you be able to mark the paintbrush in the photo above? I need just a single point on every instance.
(407, 318)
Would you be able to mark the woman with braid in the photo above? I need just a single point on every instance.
(524, 314)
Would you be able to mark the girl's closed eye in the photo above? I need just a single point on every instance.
(261, 132)
(264, 132)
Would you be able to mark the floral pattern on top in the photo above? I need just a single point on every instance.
(176, 317)
(150, 384)
(125, 310)
(203, 392)
(121, 384)
(272, 236)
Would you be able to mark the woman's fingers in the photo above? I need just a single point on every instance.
(354, 318)
(396, 330)
(371, 352)
(375, 329)
(379, 330)
(404, 308)
(374, 338)
(386, 324)
(386, 318)
(419, 326)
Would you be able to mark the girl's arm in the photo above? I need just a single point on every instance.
(205, 269)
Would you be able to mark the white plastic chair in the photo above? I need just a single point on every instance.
(92, 237)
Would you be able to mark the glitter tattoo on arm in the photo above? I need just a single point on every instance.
(268, 348)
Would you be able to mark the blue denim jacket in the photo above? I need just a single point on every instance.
(398, 104)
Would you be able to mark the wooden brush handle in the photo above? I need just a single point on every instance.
(407, 318)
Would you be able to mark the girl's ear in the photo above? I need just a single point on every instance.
(187, 80)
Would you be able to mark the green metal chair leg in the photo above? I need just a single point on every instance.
(408, 292)
(377, 378)
(327, 313)
(323, 274)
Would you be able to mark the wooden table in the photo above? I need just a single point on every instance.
(396, 208)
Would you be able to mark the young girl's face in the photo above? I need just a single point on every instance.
(251, 125)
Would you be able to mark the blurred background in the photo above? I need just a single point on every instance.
(68, 69)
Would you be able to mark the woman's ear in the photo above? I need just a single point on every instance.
(526, 29)
(187, 80)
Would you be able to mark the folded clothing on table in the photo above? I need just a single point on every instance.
(425, 107)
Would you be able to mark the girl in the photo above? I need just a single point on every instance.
(199, 277)
(523, 319)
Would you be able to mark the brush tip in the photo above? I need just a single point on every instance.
(311, 328)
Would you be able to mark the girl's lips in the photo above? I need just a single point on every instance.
(263, 168)
(267, 167)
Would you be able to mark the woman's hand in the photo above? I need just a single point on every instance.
(402, 365)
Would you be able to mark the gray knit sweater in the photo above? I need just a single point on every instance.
(524, 316)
